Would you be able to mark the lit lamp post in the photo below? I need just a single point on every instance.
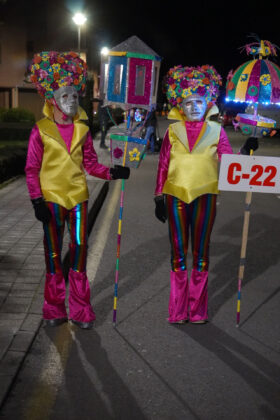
(104, 51)
(79, 19)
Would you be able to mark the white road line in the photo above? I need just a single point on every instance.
(96, 251)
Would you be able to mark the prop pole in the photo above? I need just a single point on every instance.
(119, 235)
(118, 255)
(248, 201)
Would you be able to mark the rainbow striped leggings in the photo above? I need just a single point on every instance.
(80, 308)
(198, 218)
(77, 223)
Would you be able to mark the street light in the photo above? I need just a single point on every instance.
(104, 51)
(79, 19)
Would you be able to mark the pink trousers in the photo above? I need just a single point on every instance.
(188, 300)
(80, 308)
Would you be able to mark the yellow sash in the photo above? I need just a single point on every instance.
(62, 177)
(194, 173)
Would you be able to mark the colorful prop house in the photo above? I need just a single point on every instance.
(255, 82)
(129, 75)
(129, 80)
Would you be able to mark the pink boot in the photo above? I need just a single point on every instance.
(54, 304)
(80, 308)
(178, 300)
(198, 296)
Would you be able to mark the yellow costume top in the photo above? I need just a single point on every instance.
(62, 177)
(193, 173)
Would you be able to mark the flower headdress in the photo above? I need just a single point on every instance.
(182, 82)
(51, 70)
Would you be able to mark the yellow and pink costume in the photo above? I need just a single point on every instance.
(188, 177)
(56, 157)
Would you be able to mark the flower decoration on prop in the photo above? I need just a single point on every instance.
(134, 154)
(182, 82)
(50, 70)
(118, 153)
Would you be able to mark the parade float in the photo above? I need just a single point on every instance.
(255, 82)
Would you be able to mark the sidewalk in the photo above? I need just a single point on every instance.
(22, 268)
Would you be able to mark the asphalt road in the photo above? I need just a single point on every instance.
(145, 368)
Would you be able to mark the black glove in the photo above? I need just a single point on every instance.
(250, 144)
(119, 172)
(160, 210)
(42, 211)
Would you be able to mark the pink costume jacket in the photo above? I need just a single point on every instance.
(36, 151)
(193, 130)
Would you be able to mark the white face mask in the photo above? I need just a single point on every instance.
(67, 100)
(194, 107)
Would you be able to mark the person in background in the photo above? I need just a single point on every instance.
(187, 184)
(60, 149)
(151, 124)
(103, 121)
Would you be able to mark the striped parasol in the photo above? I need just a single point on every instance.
(257, 80)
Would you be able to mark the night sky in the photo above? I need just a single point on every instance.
(188, 32)
(181, 32)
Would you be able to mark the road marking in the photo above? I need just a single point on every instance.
(43, 398)
(52, 373)
(97, 249)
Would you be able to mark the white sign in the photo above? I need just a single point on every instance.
(250, 173)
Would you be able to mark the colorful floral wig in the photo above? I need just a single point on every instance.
(51, 70)
(182, 82)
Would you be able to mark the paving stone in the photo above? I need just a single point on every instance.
(5, 287)
(22, 341)
(10, 326)
(14, 263)
(15, 304)
(22, 293)
(5, 384)
(22, 287)
(32, 266)
(8, 275)
(5, 342)
(12, 259)
(12, 316)
(37, 303)
(10, 363)
(29, 273)
(31, 322)
(26, 278)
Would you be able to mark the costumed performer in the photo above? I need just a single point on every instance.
(60, 148)
(187, 184)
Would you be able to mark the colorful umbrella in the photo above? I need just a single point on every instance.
(257, 80)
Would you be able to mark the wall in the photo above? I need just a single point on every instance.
(13, 62)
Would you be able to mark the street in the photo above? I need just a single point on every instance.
(145, 368)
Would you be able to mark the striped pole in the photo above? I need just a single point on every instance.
(119, 234)
(118, 255)
(248, 201)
